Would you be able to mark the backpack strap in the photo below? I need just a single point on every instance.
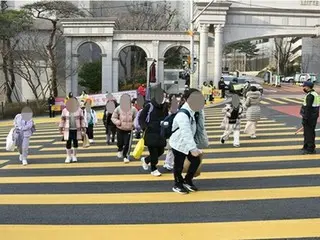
(185, 111)
(149, 112)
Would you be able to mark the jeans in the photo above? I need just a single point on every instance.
(90, 131)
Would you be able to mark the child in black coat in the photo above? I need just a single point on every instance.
(109, 125)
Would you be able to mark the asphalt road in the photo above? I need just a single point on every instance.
(263, 190)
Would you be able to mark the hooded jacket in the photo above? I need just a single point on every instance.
(252, 104)
(190, 135)
(124, 120)
(152, 128)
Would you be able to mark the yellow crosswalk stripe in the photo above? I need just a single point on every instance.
(217, 142)
(270, 229)
(275, 100)
(101, 134)
(208, 125)
(291, 100)
(262, 129)
(138, 163)
(164, 197)
(3, 161)
(164, 177)
(34, 141)
(216, 150)
(264, 102)
(47, 159)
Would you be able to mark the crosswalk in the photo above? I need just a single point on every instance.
(281, 101)
(263, 190)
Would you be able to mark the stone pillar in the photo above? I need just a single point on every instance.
(160, 73)
(115, 75)
(203, 56)
(218, 49)
(149, 62)
(69, 64)
(107, 70)
(74, 74)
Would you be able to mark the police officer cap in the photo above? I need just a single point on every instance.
(308, 84)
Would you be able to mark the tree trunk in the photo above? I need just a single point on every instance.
(11, 71)
(52, 59)
(5, 69)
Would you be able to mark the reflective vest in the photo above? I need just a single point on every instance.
(316, 100)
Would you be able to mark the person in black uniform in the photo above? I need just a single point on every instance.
(222, 87)
(310, 113)
(51, 102)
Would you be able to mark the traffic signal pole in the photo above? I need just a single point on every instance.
(192, 83)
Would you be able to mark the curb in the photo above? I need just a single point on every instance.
(219, 104)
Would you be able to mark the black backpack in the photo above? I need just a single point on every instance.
(166, 124)
(234, 115)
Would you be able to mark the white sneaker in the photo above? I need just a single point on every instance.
(74, 159)
(91, 141)
(168, 167)
(120, 155)
(24, 162)
(20, 157)
(236, 145)
(253, 136)
(68, 159)
(144, 164)
(156, 173)
(126, 160)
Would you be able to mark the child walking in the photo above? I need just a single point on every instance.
(108, 124)
(232, 121)
(91, 119)
(24, 129)
(123, 117)
(72, 126)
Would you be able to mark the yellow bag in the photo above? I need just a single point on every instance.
(86, 142)
(138, 150)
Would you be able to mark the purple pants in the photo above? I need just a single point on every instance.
(23, 145)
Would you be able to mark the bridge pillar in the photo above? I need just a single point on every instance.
(218, 49)
(203, 56)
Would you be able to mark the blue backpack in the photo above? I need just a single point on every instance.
(166, 124)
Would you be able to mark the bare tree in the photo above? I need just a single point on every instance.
(148, 15)
(53, 11)
(282, 53)
(11, 23)
(32, 62)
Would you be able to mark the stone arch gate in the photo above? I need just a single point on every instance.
(102, 32)
(231, 21)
